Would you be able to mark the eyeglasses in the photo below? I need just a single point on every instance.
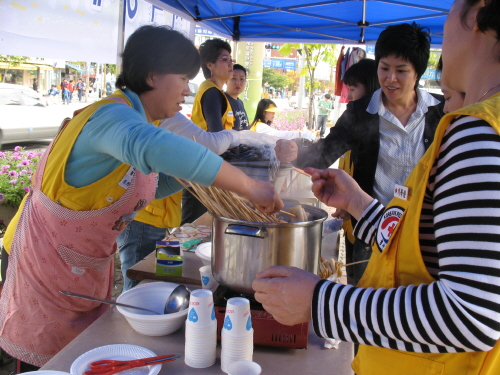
(227, 60)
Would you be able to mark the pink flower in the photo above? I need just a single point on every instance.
(17, 148)
(13, 174)
(2, 154)
(26, 189)
(14, 181)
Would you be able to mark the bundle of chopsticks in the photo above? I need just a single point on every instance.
(227, 204)
(328, 268)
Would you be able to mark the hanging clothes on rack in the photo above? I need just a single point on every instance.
(338, 73)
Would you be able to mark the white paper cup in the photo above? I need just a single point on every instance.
(207, 278)
(201, 311)
(200, 348)
(244, 368)
(238, 321)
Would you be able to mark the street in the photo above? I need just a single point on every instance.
(33, 117)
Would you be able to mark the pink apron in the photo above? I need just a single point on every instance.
(53, 249)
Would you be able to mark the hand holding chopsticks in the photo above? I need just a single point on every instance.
(108, 366)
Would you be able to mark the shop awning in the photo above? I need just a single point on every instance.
(75, 67)
(25, 66)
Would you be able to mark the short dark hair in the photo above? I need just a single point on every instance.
(328, 96)
(364, 72)
(210, 51)
(261, 108)
(240, 67)
(157, 49)
(408, 41)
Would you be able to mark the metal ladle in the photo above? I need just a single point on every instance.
(177, 301)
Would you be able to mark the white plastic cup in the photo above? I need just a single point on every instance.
(201, 311)
(207, 278)
(238, 321)
(244, 368)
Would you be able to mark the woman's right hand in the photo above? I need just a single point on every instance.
(335, 188)
(286, 151)
(265, 197)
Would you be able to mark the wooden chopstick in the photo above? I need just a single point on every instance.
(301, 171)
(288, 213)
(361, 261)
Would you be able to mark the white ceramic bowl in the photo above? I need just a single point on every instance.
(204, 252)
(151, 296)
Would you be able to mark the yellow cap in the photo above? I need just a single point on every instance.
(272, 108)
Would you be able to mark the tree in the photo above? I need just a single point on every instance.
(313, 54)
(12, 61)
(274, 79)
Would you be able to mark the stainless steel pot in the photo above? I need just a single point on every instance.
(241, 249)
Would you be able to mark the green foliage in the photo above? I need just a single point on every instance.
(16, 170)
(312, 54)
(274, 79)
(13, 60)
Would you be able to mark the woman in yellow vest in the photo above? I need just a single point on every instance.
(429, 301)
(106, 164)
(211, 109)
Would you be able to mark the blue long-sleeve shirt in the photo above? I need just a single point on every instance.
(117, 134)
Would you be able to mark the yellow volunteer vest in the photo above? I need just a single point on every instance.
(92, 197)
(400, 263)
(162, 213)
(345, 163)
(197, 114)
(253, 127)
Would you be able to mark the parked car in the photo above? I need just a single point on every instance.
(11, 94)
(25, 116)
(187, 106)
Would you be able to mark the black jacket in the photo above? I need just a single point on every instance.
(358, 131)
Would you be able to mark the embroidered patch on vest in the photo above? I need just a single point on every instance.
(387, 224)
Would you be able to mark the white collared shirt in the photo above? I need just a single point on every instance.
(400, 146)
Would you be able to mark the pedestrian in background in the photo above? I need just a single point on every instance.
(71, 88)
(325, 106)
(80, 86)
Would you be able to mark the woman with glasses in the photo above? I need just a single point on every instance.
(211, 109)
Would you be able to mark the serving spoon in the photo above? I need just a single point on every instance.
(177, 301)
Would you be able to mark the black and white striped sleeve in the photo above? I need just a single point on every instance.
(459, 312)
(366, 226)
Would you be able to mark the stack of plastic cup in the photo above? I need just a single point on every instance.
(237, 332)
(201, 330)
(207, 278)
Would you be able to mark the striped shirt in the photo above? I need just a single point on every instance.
(401, 147)
(460, 244)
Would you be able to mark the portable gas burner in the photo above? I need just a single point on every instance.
(267, 331)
